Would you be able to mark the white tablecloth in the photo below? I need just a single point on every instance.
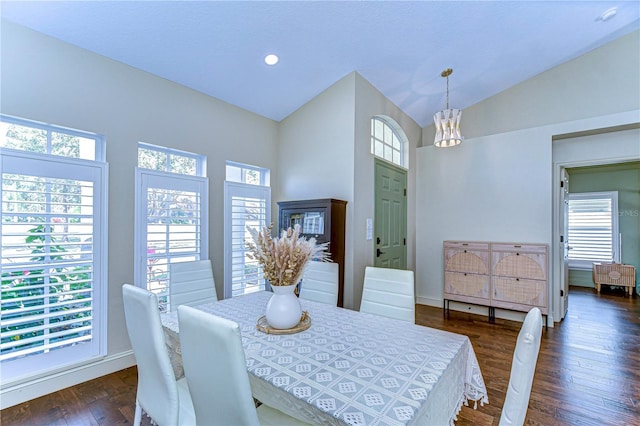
(351, 367)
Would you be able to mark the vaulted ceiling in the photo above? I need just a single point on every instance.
(401, 47)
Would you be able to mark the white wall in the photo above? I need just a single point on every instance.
(497, 185)
(314, 153)
(597, 149)
(47, 80)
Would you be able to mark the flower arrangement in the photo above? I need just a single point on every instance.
(283, 258)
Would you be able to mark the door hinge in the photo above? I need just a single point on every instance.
(561, 293)
(561, 184)
(562, 238)
(405, 241)
(405, 192)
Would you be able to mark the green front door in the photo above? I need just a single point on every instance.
(390, 230)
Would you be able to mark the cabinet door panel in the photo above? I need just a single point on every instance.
(475, 262)
(470, 285)
(519, 294)
(520, 265)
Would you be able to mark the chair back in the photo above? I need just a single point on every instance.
(157, 389)
(215, 368)
(523, 367)
(191, 283)
(390, 293)
(320, 282)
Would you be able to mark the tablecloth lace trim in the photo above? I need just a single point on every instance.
(464, 400)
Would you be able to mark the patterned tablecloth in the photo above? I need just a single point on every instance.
(351, 367)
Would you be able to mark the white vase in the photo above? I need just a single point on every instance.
(283, 309)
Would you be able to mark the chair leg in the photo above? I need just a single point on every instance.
(137, 418)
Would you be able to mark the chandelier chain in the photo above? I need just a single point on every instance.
(447, 92)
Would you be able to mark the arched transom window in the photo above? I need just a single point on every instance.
(388, 141)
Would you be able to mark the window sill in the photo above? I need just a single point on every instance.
(585, 265)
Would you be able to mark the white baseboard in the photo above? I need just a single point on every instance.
(29, 390)
(478, 310)
(429, 301)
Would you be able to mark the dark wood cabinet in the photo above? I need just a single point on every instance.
(322, 219)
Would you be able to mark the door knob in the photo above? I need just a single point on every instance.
(378, 252)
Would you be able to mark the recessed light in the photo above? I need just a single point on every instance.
(608, 14)
(271, 59)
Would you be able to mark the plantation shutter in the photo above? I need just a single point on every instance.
(52, 219)
(245, 206)
(173, 219)
(592, 228)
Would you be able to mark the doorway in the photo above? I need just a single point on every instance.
(581, 152)
(390, 221)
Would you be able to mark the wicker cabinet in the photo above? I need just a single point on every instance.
(497, 275)
(615, 274)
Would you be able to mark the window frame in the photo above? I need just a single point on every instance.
(167, 180)
(587, 263)
(201, 160)
(240, 189)
(397, 132)
(265, 174)
(100, 150)
(60, 167)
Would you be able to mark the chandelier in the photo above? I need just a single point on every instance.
(447, 122)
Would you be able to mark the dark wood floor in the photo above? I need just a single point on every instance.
(588, 371)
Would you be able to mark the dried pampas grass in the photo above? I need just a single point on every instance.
(283, 259)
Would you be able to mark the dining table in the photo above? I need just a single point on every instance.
(349, 367)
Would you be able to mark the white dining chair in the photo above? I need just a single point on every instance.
(191, 283)
(216, 371)
(162, 398)
(389, 292)
(523, 367)
(320, 282)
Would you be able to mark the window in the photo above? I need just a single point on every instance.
(35, 137)
(171, 215)
(387, 142)
(593, 228)
(53, 309)
(247, 203)
(170, 160)
(243, 173)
